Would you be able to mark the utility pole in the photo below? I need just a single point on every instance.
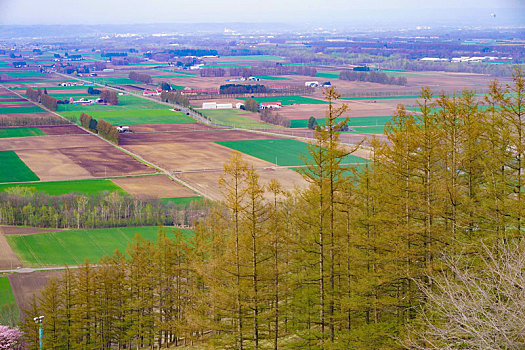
(38, 320)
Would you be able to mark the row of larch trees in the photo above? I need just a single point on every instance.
(337, 265)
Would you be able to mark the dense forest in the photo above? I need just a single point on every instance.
(382, 256)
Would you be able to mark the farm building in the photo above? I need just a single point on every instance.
(215, 105)
(311, 84)
(270, 105)
(239, 105)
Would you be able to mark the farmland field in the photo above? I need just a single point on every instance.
(24, 109)
(290, 100)
(255, 58)
(13, 169)
(283, 152)
(268, 77)
(20, 132)
(6, 294)
(113, 80)
(56, 188)
(24, 73)
(357, 121)
(182, 200)
(233, 117)
(328, 74)
(380, 129)
(72, 247)
(125, 102)
(133, 117)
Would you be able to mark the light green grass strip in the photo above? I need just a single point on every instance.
(135, 117)
(6, 293)
(74, 246)
(57, 188)
(13, 169)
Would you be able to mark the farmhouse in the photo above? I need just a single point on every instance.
(270, 105)
(239, 105)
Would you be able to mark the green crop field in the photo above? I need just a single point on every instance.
(134, 117)
(20, 132)
(380, 98)
(380, 129)
(182, 200)
(22, 109)
(290, 100)
(256, 58)
(54, 87)
(284, 152)
(113, 80)
(125, 102)
(226, 65)
(357, 121)
(6, 293)
(24, 73)
(234, 118)
(269, 77)
(13, 169)
(57, 188)
(4, 64)
(177, 72)
(329, 74)
(72, 247)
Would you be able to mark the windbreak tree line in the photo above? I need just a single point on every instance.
(42, 97)
(346, 263)
(24, 206)
(174, 97)
(103, 128)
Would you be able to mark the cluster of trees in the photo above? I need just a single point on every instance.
(251, 105)
(92, 91)
(103, 128)
(142, 77)
(88, 122)
(113, 54)
(346, 263)
(42, 97)
(212, 72)
(242, 89)
(24, 206)
(33, 95)
(109, 96)
(373, 77)
(119, 61)
(108, 131)
(312, 123)
(174, 97)
(49, 101)
(275, 118)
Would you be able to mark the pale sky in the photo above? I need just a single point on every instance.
(221, 11)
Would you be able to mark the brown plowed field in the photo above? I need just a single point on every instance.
(16, 104)
(148, 187)
(63, 130)
(23, 230)
(25, 285)
(8, 258)
(170, 127)
(106, 161)
(190, 137)
(4, 98)
(181, 156)
(50, 142)
(52, 165)
(207, 182)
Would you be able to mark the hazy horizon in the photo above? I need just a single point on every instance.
(346, 13)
